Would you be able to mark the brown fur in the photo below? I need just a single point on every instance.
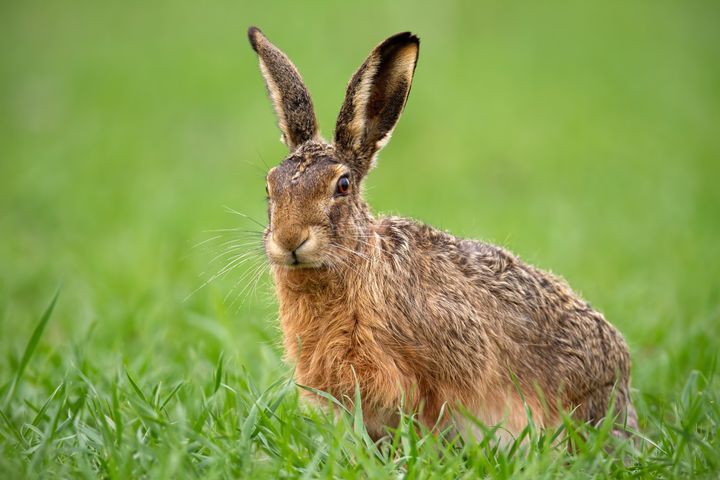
(415, 315)
(293, 106)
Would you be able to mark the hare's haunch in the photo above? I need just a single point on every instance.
(416, 316)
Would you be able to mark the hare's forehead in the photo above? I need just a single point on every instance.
(305, 167)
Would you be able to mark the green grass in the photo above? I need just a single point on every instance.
(581, 135)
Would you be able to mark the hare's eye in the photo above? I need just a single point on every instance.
(343, 185)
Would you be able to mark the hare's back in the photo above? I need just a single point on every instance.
(483, 293)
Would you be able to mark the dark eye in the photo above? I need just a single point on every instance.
(343, 185)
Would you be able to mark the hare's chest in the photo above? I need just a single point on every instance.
(335, 351)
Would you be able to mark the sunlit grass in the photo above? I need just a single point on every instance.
(119, 424)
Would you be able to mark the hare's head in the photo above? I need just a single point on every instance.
(315, 209)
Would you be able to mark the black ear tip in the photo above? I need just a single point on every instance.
(409, 37)
(254, 34)
(400, 40)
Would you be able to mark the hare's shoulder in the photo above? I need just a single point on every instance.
(405, 234)
(490, 267)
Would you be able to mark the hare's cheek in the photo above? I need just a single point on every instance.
(335, 216)
(271, 213)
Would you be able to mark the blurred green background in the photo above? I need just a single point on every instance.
(584, 136)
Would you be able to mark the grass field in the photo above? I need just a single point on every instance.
(584, 136)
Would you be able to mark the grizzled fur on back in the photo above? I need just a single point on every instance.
(413, 315)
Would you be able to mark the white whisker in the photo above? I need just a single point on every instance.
(236, 230)
(247, 274)
(206, 241)
(235, 212)
(235, 249)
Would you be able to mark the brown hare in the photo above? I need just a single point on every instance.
(413, 315)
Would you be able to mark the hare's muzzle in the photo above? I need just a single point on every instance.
(293, 248)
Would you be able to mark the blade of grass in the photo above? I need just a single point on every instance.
(13, 429)
(30, 348)
(45, 406)
(171, 395)
(136, 388)
(326, 396)
(218, 373)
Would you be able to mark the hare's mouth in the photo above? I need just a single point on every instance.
(293, 260)
(297, 264)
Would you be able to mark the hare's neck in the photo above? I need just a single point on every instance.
(330, 324)
(313, 303)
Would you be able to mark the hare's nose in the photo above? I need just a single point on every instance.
(291, 241)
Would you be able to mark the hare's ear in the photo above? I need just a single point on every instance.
(289, 96)
(375, 98)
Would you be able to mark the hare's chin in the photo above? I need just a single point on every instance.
(301, 265)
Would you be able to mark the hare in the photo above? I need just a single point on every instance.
(417, 318)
